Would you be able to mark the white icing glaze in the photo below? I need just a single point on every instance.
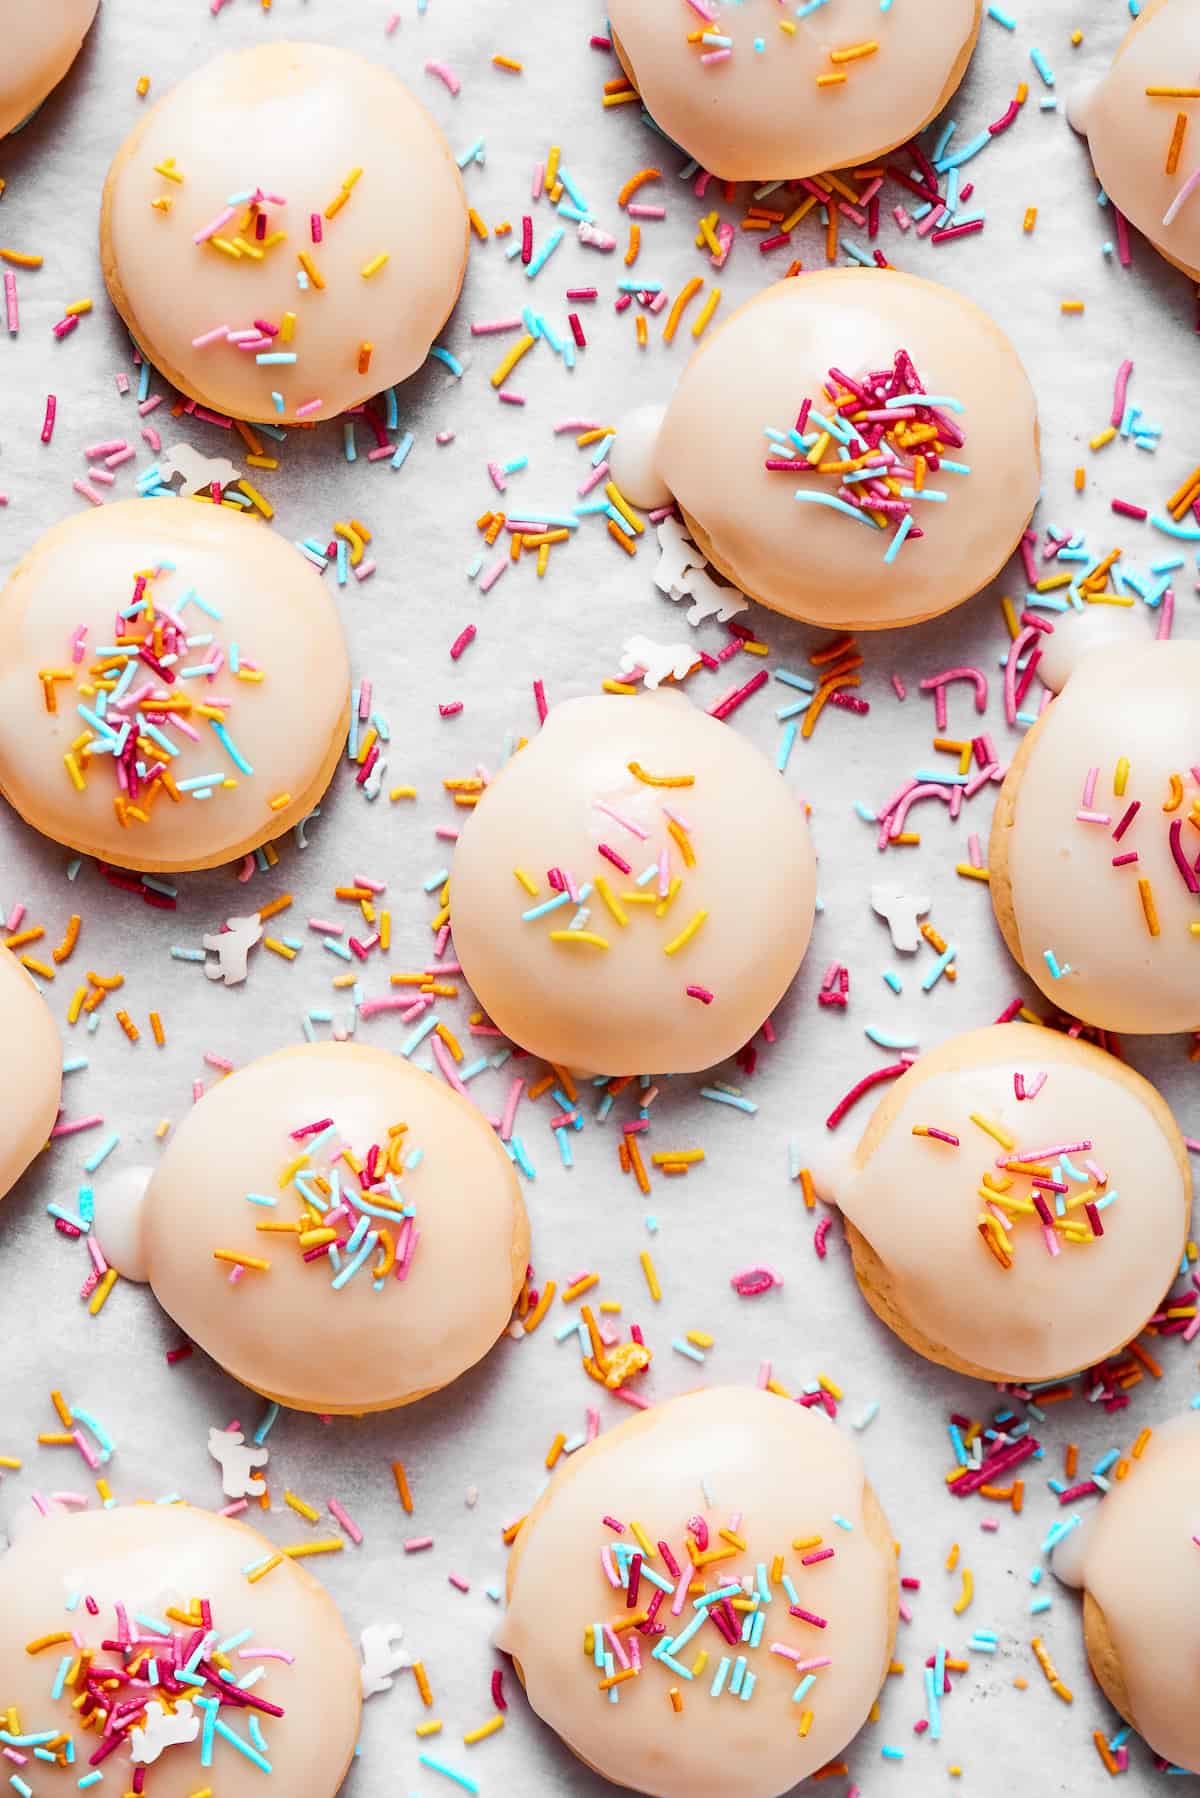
(631, 459)
(787, 1471)
(30, 1071)
(624, 1008)
(120, 1221)
(1077, 634)
(150, 1558)
(807, 560)
(1129, 133)
(759, 115)
(40, 44)
(916, 1200)
(1144, 704)
(1142, 1566)
(287, 1332)
(271, 604)
(294, 120)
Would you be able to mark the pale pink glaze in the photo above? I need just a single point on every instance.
(1129, 133)
(294, 120)
(1142, 702)
(625, 1008)
(40, 44)
(149, 1558)
(1137, 1556)
(759, 115)
(712, 1454)
(287, 1332)
(30, 1071)
(804, 559)
(272, 606)
(916, 1200)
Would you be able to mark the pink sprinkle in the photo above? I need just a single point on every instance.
(309, 407)
(215, 225)
(462, 1585)
(415, 1544)
(460, 642)
(451, 709)
(10, 303)
(48, 422)
(493, 575)
(1125, 509)
(510, 1108)
(751, 1282)
(508, 398)
(488, 327)
(1120, 390)
(699, 992)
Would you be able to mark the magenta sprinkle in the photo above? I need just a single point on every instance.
(460, 642)
(752, 1282)
(699, 992)
(618, 861)
(48, 422)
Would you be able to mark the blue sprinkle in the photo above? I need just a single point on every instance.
(1042, 66)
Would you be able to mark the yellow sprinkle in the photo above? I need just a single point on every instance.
(651, 1276)
(166, 168)
(402, 793)
(298, 1504)
(643, 1541)
(618, 499)
(824, 1381)
(373, 267)
(970, 873)
(267, 1567)
(308, 265)
(250, 1261)
(503, 369)
(1071, 306)
(1173, 93)
(609, 897)
(280, 802)
(100, 1296)
(967, 1594)
(854, 52)
(527, 882)
(700, 1339)
(277, 948)
(579, 936)
(287, 326)
(432, 1728)
(704, 316)
(78, 308)
(256, 499)
(686, 934)
(299, 1551)
(993, 1130)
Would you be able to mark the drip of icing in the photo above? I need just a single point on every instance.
(120, 1220)
(632, 459)
(1077, 634)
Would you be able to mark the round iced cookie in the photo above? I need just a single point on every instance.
(1136, 1559)
(285, 233)
(1017, 1205)
(174, 689)
(1144, 158)
(1095, 847)
(40, 44)
(337, 1229)
(30, 1071)
(144, 1621)
(634, 1532)
(635, 890)
(754, 103)
(858, 449)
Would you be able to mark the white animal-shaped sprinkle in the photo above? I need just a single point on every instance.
(657, 661)
(238, 1461)
(382, 1657)
(198, 471)
(232, 947)
(162, 1729)
(901, 910)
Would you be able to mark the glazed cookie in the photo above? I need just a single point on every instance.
(1095, 848)
(746, 1526)
(338, 1230)
(40, 44)
(1136, 1559)
(30, 1071)
(1140, 124)
(1018, 1204)
(635, 890)
(138, 1643)
(754, 102)
(175, 688)
(858, 449)
(285, 233)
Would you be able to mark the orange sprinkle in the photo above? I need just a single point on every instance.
(509, 63)
(1146, 895)
(635, 244)
(545, 1300)
(1175, 148)
(156, 1029)
(635, 181)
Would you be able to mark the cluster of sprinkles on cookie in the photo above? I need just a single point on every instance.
(878, 437)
